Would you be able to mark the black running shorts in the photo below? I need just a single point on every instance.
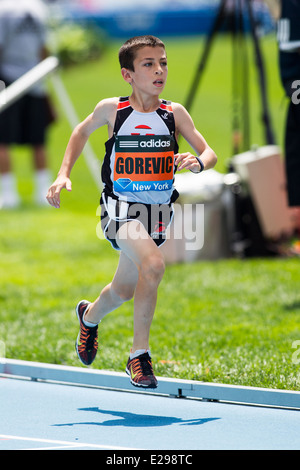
(154, 217)
(25, 121)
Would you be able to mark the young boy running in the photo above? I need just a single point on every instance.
(137, 173)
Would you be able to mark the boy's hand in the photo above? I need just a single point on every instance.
(187, 161)
(53, 195)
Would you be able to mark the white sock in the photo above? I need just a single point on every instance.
(42, 183)
(86, 322)
(138, 352)
(9, 196)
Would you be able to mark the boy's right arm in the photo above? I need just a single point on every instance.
(102, 115)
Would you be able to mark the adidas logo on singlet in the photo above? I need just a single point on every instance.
(155, 143)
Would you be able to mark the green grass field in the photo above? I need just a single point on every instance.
(226, 321)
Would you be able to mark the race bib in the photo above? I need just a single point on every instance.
(144, 163)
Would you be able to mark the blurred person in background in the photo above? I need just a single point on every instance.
(287, 14)
(289, 60)
(23, 46)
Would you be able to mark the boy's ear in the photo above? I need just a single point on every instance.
(126, 74)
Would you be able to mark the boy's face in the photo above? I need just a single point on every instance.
(150, 70)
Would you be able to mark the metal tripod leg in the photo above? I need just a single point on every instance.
(218, 22)
(215, 29)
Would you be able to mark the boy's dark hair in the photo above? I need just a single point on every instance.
(127, 52)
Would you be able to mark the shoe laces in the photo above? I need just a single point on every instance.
(91, 337)
(144, 362)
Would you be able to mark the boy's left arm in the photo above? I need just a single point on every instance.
(185, 126)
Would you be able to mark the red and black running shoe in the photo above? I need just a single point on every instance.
(140, 371)
(87, 340)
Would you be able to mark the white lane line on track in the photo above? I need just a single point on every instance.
(64, 443)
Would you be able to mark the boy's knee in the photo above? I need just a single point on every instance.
(153, 267)
(123, 292)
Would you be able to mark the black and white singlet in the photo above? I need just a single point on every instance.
(139, 161)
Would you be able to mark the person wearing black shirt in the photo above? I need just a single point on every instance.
(289, 62)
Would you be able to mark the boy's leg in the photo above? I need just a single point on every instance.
(114, 294)
(90, 314)
(146, 256)
(140, 270)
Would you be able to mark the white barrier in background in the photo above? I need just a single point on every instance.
(91, 160)
(20, 87)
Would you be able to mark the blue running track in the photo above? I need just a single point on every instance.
(49, 414)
